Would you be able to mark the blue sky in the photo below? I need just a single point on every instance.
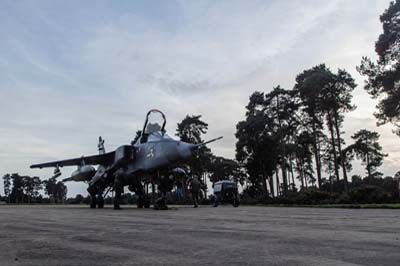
(73, 70)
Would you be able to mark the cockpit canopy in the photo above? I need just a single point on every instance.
(154, 127)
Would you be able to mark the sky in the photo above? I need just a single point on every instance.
(73, 70)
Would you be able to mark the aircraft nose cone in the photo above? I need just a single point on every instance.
(185, 150)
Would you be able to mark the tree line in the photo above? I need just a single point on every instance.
(297, 133)
(25, 189)
(292, 140)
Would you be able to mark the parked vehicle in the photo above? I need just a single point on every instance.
(225, 191)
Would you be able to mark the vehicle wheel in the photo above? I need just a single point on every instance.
(156, 206)
(215, 202)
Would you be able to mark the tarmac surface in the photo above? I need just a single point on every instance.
(77, 235)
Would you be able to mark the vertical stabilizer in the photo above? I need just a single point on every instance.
(100, 146)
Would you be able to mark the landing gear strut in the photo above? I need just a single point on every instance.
(119, 189)
(93, 201)
(100, 201)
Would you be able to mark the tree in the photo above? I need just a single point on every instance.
(323, 93)
(56, 191)
(7, 186)
(367, 148)
(257, 147)
(77, 200)
(225, 169)
(303, 157)
(61, 192)
(190, 130)
(280, 107)
(17, 192)
(308, 89)
(383, 77)
(264, 137)
(32, 186)
(337, 100)
(50, 188)
(22, 189)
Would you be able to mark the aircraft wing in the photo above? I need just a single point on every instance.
(103, 159)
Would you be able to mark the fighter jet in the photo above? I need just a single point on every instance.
(152, 157)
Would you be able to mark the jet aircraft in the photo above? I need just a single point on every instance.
(151, 158)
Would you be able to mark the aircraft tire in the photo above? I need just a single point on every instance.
(93, 202)
(100, 205)
(100, 201)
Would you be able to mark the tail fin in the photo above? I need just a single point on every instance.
(100, 146)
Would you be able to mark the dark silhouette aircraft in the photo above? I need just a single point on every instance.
(151, 159)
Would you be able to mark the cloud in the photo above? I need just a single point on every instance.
(70, 74)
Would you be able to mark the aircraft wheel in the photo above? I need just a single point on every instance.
(93, 202)
(100, 205)
(100, 201)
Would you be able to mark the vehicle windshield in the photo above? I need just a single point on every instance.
(229, 185)
(217, 187)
